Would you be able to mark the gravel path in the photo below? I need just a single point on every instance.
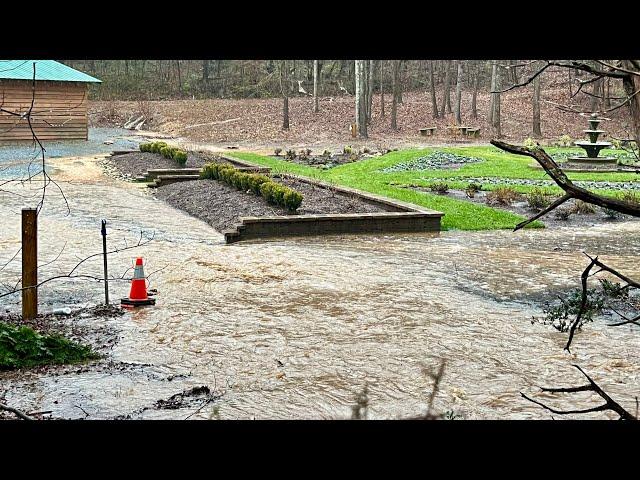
(221, 205)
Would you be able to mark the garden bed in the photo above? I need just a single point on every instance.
(221, 205)
(572, 213)
(135, 164)
(436, 160)
(324, 162)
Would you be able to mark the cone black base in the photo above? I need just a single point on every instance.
(138, 303)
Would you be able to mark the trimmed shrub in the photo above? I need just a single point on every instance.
(277, 151)
(256, 181)
(166, 152)
(157, 146)
(271, 191)
(145, 147)
(292, 199)
(180, 156)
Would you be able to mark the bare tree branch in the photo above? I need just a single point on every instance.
(609, 404)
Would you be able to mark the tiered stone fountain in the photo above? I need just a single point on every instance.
(593, 147)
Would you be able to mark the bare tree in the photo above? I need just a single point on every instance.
(494, 107)
(284, 87)
(316, 107)
(370, 71)
(432, 83)
(382, 87)
(446, 101)
(396, 87)
(537, 131)
(361, 99)
(476, 80)
(459, 94)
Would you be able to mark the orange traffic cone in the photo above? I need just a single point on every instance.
(138, 293)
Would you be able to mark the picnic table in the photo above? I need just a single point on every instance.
(463, 130)
(427, 131)
(473, 132)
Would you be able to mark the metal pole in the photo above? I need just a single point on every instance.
(104, 256)
(29, 263)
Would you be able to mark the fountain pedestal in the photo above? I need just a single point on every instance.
(592, 148)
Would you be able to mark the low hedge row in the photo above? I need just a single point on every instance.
(166, 151)
(271, 191)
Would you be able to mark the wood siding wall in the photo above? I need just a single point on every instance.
(59, 111)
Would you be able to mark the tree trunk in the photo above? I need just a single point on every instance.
(537, 131)
(382, 87)
(394, 103)
(205, 70)
(370, 71)
(492, 107)
(179, 76)
(459, 94)
(631, 84)
(434, 102)
(316, 106)
(476, 81)
(445, 96)
(284, 87)
(361, 105)
(496, 114)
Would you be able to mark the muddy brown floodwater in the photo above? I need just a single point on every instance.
(295, 328)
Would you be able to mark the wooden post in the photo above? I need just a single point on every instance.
(103, 231)
(29, 263)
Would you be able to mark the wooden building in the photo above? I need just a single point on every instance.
(59, 110)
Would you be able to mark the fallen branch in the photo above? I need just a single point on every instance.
(219, 122)
(15, 411)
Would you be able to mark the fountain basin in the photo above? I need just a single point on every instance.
(592, 148)
(593, 161)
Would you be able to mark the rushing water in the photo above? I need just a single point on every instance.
(336, 312)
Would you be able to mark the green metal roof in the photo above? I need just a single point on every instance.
(45, 70)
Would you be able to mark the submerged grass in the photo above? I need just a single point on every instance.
(459, 214)
(24, 347)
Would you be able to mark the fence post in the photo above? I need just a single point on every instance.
(29, 263)
(103, 231)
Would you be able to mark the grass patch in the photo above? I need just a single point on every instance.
(366, 175)
(24, 347)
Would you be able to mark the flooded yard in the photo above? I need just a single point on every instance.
(295, 328)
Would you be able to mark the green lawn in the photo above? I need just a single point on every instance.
(367, 175)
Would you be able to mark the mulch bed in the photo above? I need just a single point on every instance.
(131, 165)
(221, 205)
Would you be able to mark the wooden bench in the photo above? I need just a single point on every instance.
(428, 131)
